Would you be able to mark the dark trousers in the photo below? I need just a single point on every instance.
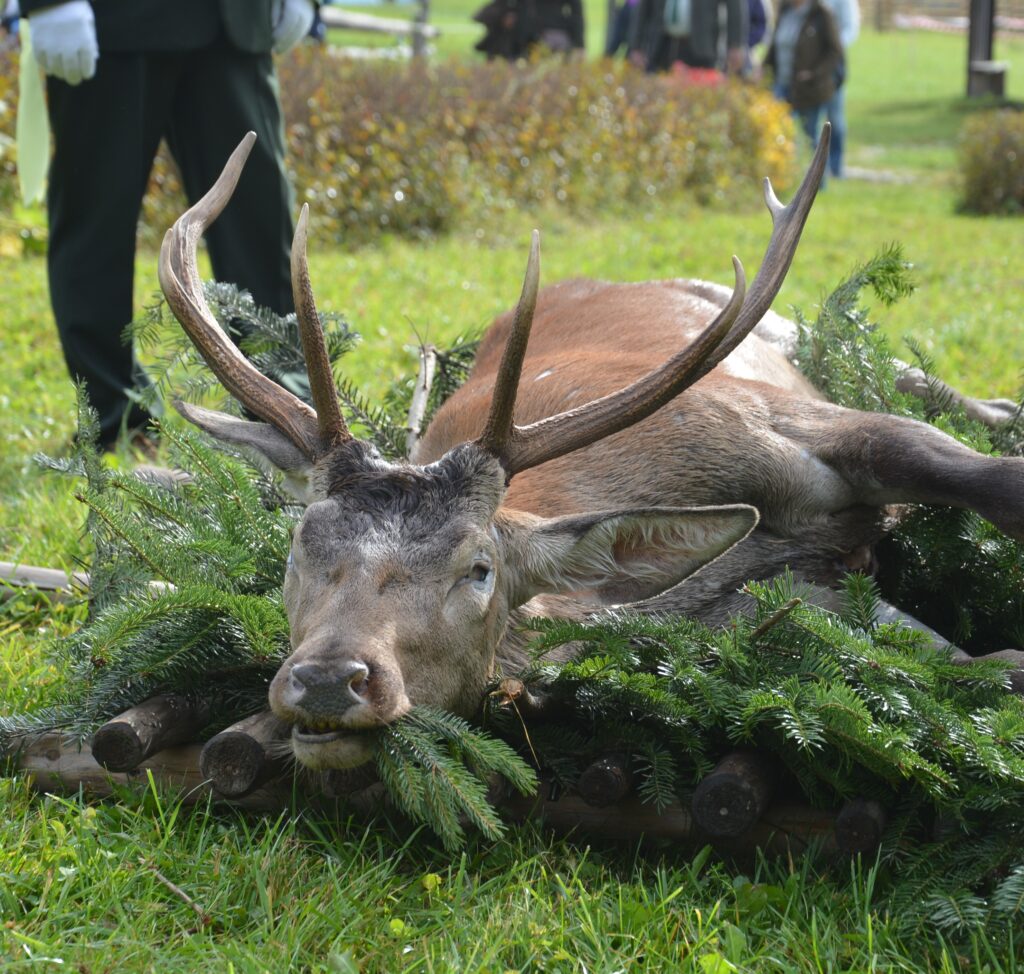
(619, 34)
(106, 132)
(670, 49)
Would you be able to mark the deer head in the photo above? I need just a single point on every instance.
(401, 578)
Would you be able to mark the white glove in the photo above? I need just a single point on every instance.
(292, 21)
(64, 40)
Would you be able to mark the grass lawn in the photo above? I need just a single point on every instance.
(79, 884)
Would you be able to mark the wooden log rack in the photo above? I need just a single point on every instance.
(736, 808)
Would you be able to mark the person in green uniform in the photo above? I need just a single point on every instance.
(121, 75)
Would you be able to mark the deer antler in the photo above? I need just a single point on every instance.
(182, 286)
(521, 447)
(318, 364)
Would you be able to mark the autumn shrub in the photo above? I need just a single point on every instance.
(8, 114)
(992, 162)
(413, 149)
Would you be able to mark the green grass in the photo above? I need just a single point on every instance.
(77, 882)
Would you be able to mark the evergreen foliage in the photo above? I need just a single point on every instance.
(435, 767)
(949, 568)
(849, 708)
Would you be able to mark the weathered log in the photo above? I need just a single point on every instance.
(606, 781)
(859, 826)
(351, 781)
(161, 722)
(732, 798)
(782, 828)
(56, 766)
(246, 755)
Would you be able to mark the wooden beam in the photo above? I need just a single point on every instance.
(347, 20)
(58, 584)
(54, 765)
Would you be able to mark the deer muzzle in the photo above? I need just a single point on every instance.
(335, 705)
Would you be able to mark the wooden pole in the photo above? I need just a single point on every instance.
(607, 781)
(732, 798)
(859, 826)
(419, 37)
(56, 766)
(57, 584)
(123, 743)
(246, 755)
(980, 35)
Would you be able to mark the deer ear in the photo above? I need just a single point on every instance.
(617, 557)
(268, 443)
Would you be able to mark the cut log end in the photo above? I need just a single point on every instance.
(732, 798)
(605, 782)
(233, 763)
(242, 757)
(859, 826)
(118, 747)
(123, 743)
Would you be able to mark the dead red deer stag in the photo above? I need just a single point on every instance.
(551, 481)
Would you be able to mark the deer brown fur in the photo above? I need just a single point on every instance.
(611, 440)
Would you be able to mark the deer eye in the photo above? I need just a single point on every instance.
(479, 572)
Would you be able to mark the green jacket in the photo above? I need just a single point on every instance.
(157, 25)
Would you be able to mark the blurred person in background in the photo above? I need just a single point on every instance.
(515, 27)
(846, 14)
(806, 60)
(121, 75)
(666, 32)
(622, 20)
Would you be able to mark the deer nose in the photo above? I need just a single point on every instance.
(329, 690)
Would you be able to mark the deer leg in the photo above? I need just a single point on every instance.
(991, 412)
(819, 557)
(892, 460)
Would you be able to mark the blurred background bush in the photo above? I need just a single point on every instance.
(413, 149)
(992, 162)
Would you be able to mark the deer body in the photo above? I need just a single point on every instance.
(639, 433)
(752, 431)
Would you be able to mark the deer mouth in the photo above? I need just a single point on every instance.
(324, 749)
(315, 735)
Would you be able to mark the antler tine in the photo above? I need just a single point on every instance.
(331, 423)
(576, 428)
(557, 435)
(787, 225)
(182, 286)
(499, 431)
